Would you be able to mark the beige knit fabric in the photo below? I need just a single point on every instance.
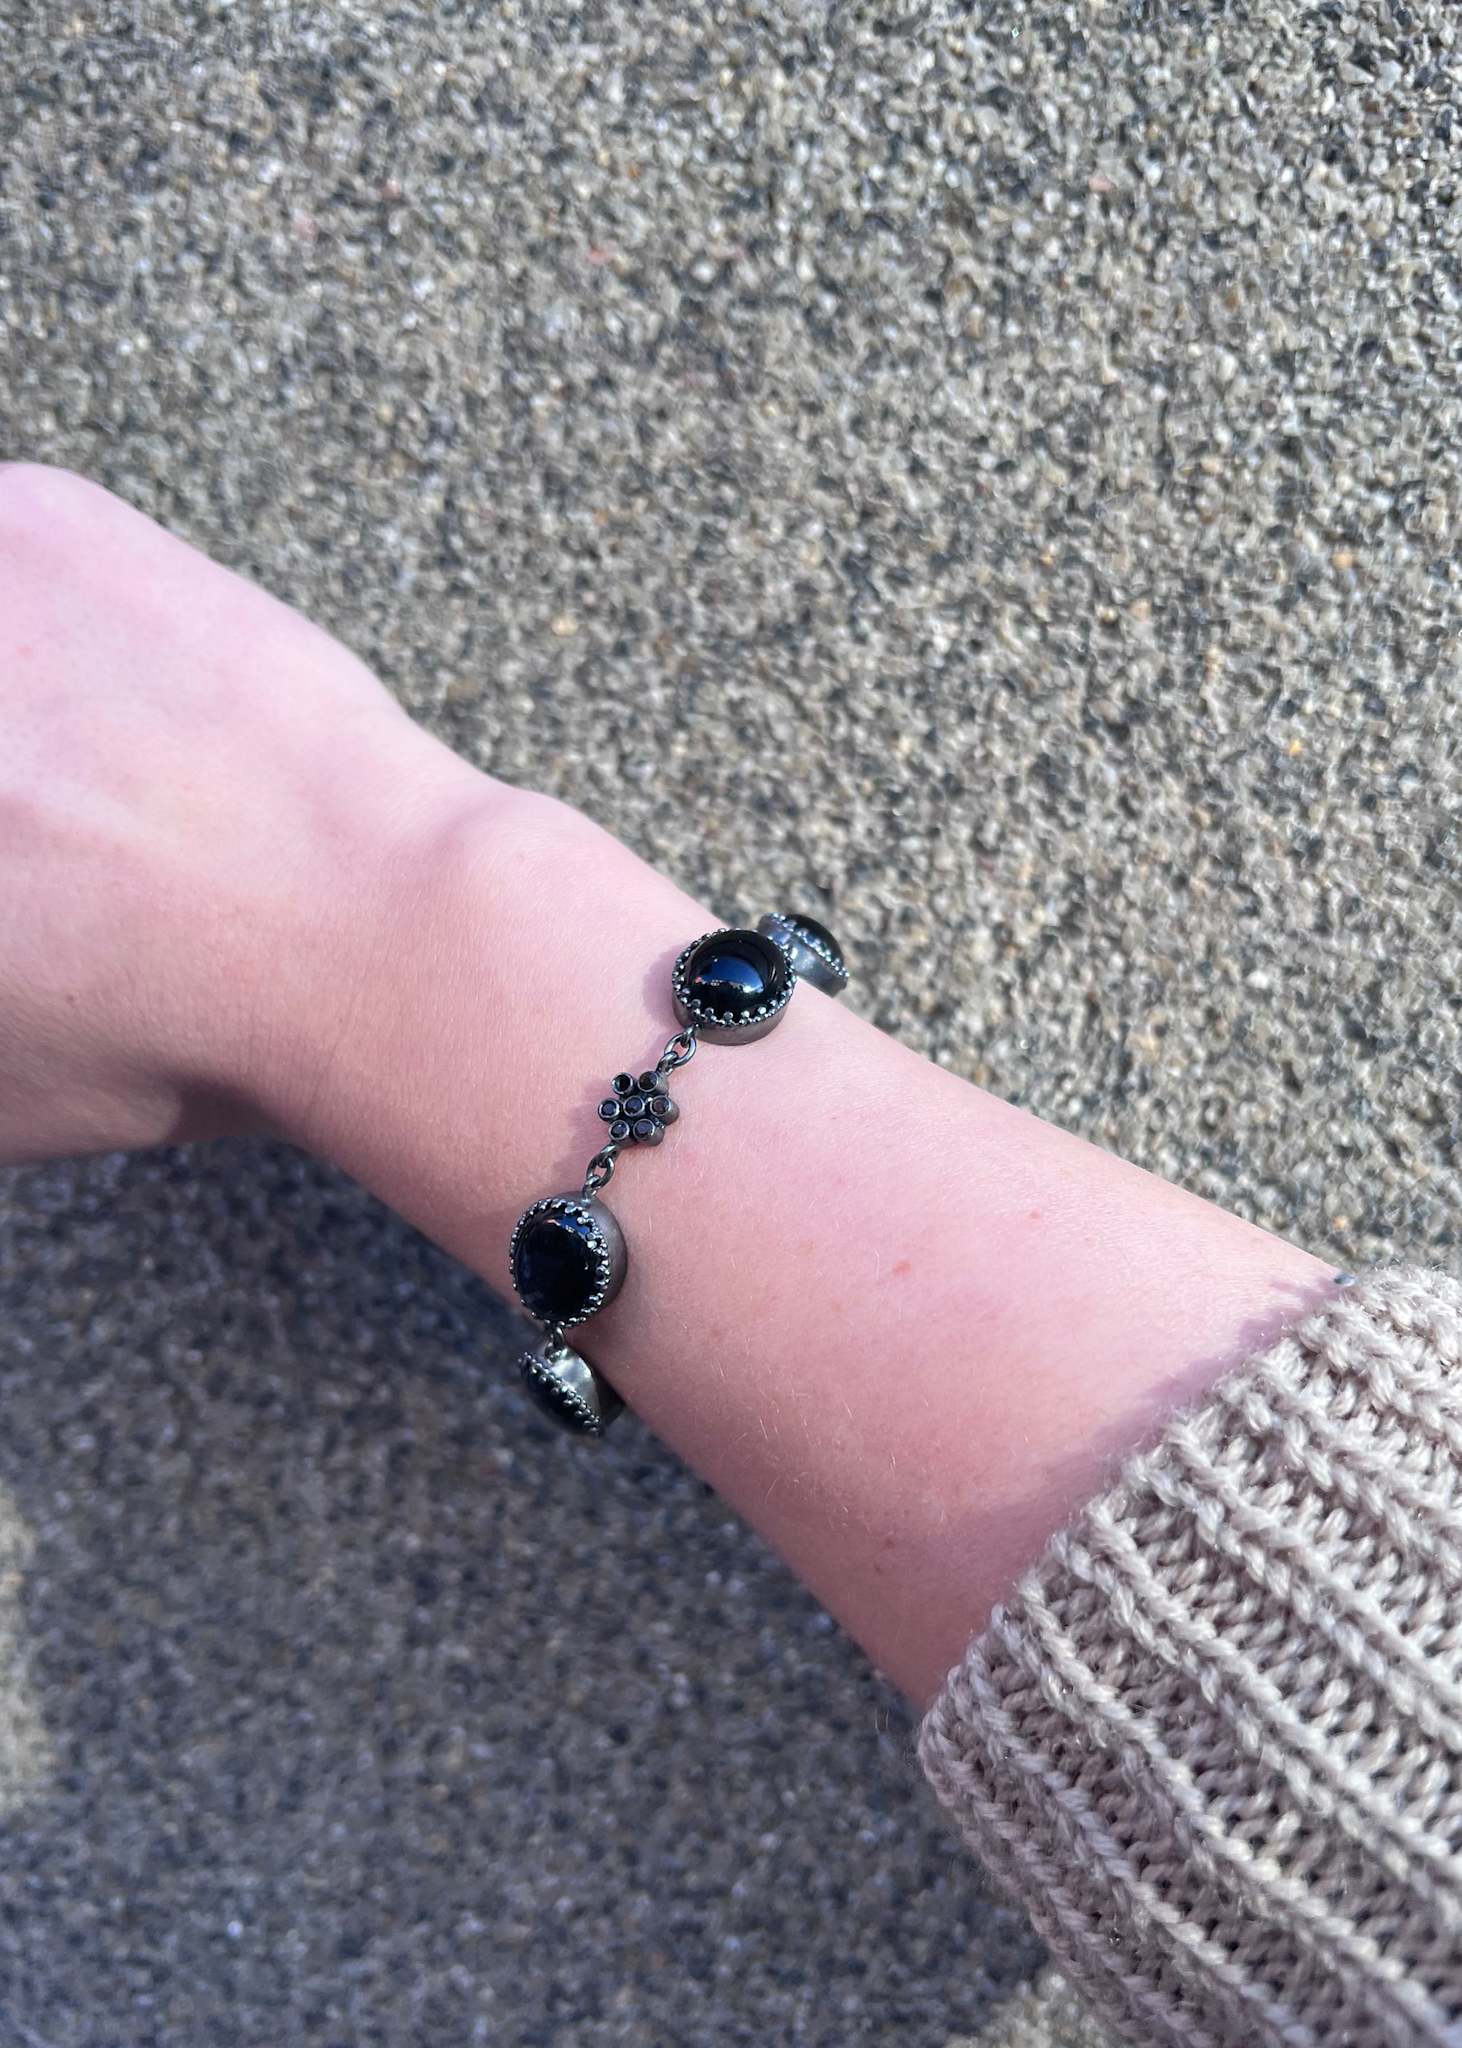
(1214, 1741)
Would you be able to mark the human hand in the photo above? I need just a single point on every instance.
(195, 786)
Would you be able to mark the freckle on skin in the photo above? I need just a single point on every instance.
(1035, 1215)
(902, 1266)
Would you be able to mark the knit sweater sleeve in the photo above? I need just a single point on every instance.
(1214, 1740)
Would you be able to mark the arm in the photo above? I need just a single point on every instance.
(903, 1327)
(1211, 1735)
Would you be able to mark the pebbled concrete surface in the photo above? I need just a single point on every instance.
(990, 470)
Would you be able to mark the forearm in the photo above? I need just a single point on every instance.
(904, 1328)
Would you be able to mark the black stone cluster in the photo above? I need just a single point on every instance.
(639, 1110)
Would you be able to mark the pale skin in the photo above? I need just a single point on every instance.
(245, 892)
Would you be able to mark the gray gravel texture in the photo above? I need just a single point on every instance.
(989, 472)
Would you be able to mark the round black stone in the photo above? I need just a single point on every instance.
(555, 1267)
(609, 1108)
(732, 975)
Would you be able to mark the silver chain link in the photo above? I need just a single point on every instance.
(600, 1171)
(677, 1051)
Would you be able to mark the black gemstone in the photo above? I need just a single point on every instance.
(659, 1105)
(622, 1083)
(619, 1130)
(634, 1105)
(732, 975)
(555, 1269)
(648, 1131)
(649, 1081)
(609, 1108)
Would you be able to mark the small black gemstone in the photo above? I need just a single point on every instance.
(634, 1105)
(648, 1131)
(609, 1108)
(660, 1105)
(732, 975)
(649, 1081)
(622, 1083)
(619, 1130)
(555, 1267)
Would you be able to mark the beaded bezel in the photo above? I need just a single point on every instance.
(807, 934)
(607, 1280)
(791, 931)
(544, 1370)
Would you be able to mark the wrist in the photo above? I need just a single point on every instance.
(400, 826)
(906, 1344)
(474, 939)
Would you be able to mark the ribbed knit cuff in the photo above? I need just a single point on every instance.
(1214, 1740)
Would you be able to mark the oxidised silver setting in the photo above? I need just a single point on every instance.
(707, 1021)
(640, 1110)
(637, 1114)
(568, 1389)
(811, 948)
(606, 1245)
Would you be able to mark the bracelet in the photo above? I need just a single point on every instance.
(567, 1255)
